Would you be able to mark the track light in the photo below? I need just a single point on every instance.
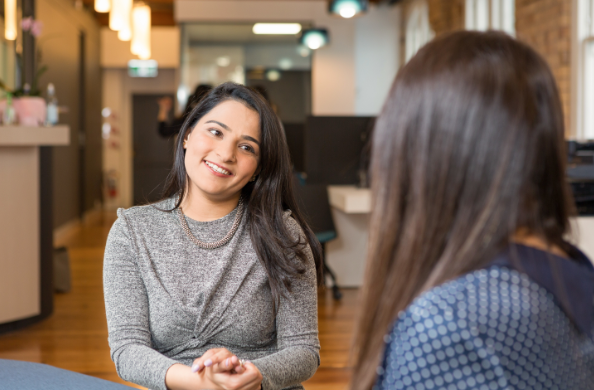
(348, 8)
(314, 38)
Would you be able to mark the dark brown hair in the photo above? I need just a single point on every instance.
(467, 150)
(267, 198)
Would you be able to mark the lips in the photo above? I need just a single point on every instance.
(218, 169)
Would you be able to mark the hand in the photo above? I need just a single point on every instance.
(247, 377)
(165, 105)
(223, 368)
(218, 360)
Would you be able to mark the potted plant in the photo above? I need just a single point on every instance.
(28, 104)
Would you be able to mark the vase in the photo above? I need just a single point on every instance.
(30, 110)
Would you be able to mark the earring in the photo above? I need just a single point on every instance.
(253, 178)
(185, 144)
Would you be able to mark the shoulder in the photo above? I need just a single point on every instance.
(291, 224)
(146, 217)
(482, 323)
(149, 211)
(477, 301)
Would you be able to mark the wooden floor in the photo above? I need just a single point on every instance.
(75, 336)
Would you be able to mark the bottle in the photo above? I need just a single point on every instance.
(52, 106)
(9, 115)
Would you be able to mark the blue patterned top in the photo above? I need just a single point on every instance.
(523, 324)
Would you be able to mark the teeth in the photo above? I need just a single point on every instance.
(218, 169)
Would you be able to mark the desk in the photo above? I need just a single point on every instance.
(20, 233)
(350, 209)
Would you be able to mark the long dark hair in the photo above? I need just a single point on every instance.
(267, 198)
(467, 150)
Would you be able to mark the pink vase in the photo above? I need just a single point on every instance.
(30, 110)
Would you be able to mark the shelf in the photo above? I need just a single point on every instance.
(34, 136)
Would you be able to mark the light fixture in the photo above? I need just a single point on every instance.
(303, 51)
(285, 63)
(10, 20)
(277, 28)
(119, 15)
(314, 38)
(223, 61)
(141, 31)
(102, 6)
(125, 32)
(273, 75)
(348, 8)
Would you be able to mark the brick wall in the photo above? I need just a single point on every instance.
(543, 24)
(546, 26)
(446, 15)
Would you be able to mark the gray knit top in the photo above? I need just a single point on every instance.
(168, 301)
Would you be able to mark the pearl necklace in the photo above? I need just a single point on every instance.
(222, 241)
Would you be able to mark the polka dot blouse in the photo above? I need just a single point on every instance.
(498, 328)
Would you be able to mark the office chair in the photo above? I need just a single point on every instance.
(314, 203)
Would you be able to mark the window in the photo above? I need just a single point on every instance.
(483, 15)
(585, 70)
(418, 30)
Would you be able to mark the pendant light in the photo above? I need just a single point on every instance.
(141, 31)
(348, 8)
(125, 32)
(10, 20)
(103, 6)
(314, 38)
(119, 14)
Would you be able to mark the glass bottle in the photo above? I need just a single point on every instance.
(52, 106)
(9, 115)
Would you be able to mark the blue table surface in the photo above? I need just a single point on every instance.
(18, 375)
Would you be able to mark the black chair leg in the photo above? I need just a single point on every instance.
(335, 289)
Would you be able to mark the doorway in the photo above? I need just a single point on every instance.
(153, 154)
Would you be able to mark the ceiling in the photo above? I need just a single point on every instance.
(161, 11)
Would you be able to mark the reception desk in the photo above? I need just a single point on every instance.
(25, 248)
(350, 209)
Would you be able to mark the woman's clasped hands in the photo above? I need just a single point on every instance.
(224, 369)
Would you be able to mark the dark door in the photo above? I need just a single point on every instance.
(153, 154)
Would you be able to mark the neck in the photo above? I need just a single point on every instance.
(204, 209)
(534, 241)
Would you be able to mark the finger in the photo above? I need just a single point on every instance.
(198, 363)
(218, 357)
(227, 363)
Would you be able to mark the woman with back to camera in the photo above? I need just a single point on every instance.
(224, 269)
(468, 271)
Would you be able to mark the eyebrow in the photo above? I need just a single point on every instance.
(224, 126)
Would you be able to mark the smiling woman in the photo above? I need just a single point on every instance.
(224, 268)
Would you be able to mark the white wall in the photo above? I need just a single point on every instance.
(377, 57)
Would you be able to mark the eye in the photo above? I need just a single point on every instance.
(248, 148)
(215, 132)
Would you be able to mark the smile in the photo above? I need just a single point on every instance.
(216, 168)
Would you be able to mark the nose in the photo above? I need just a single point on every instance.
(226, 151)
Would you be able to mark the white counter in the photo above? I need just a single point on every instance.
(346, 254)
(19, 217)
(350, 209)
